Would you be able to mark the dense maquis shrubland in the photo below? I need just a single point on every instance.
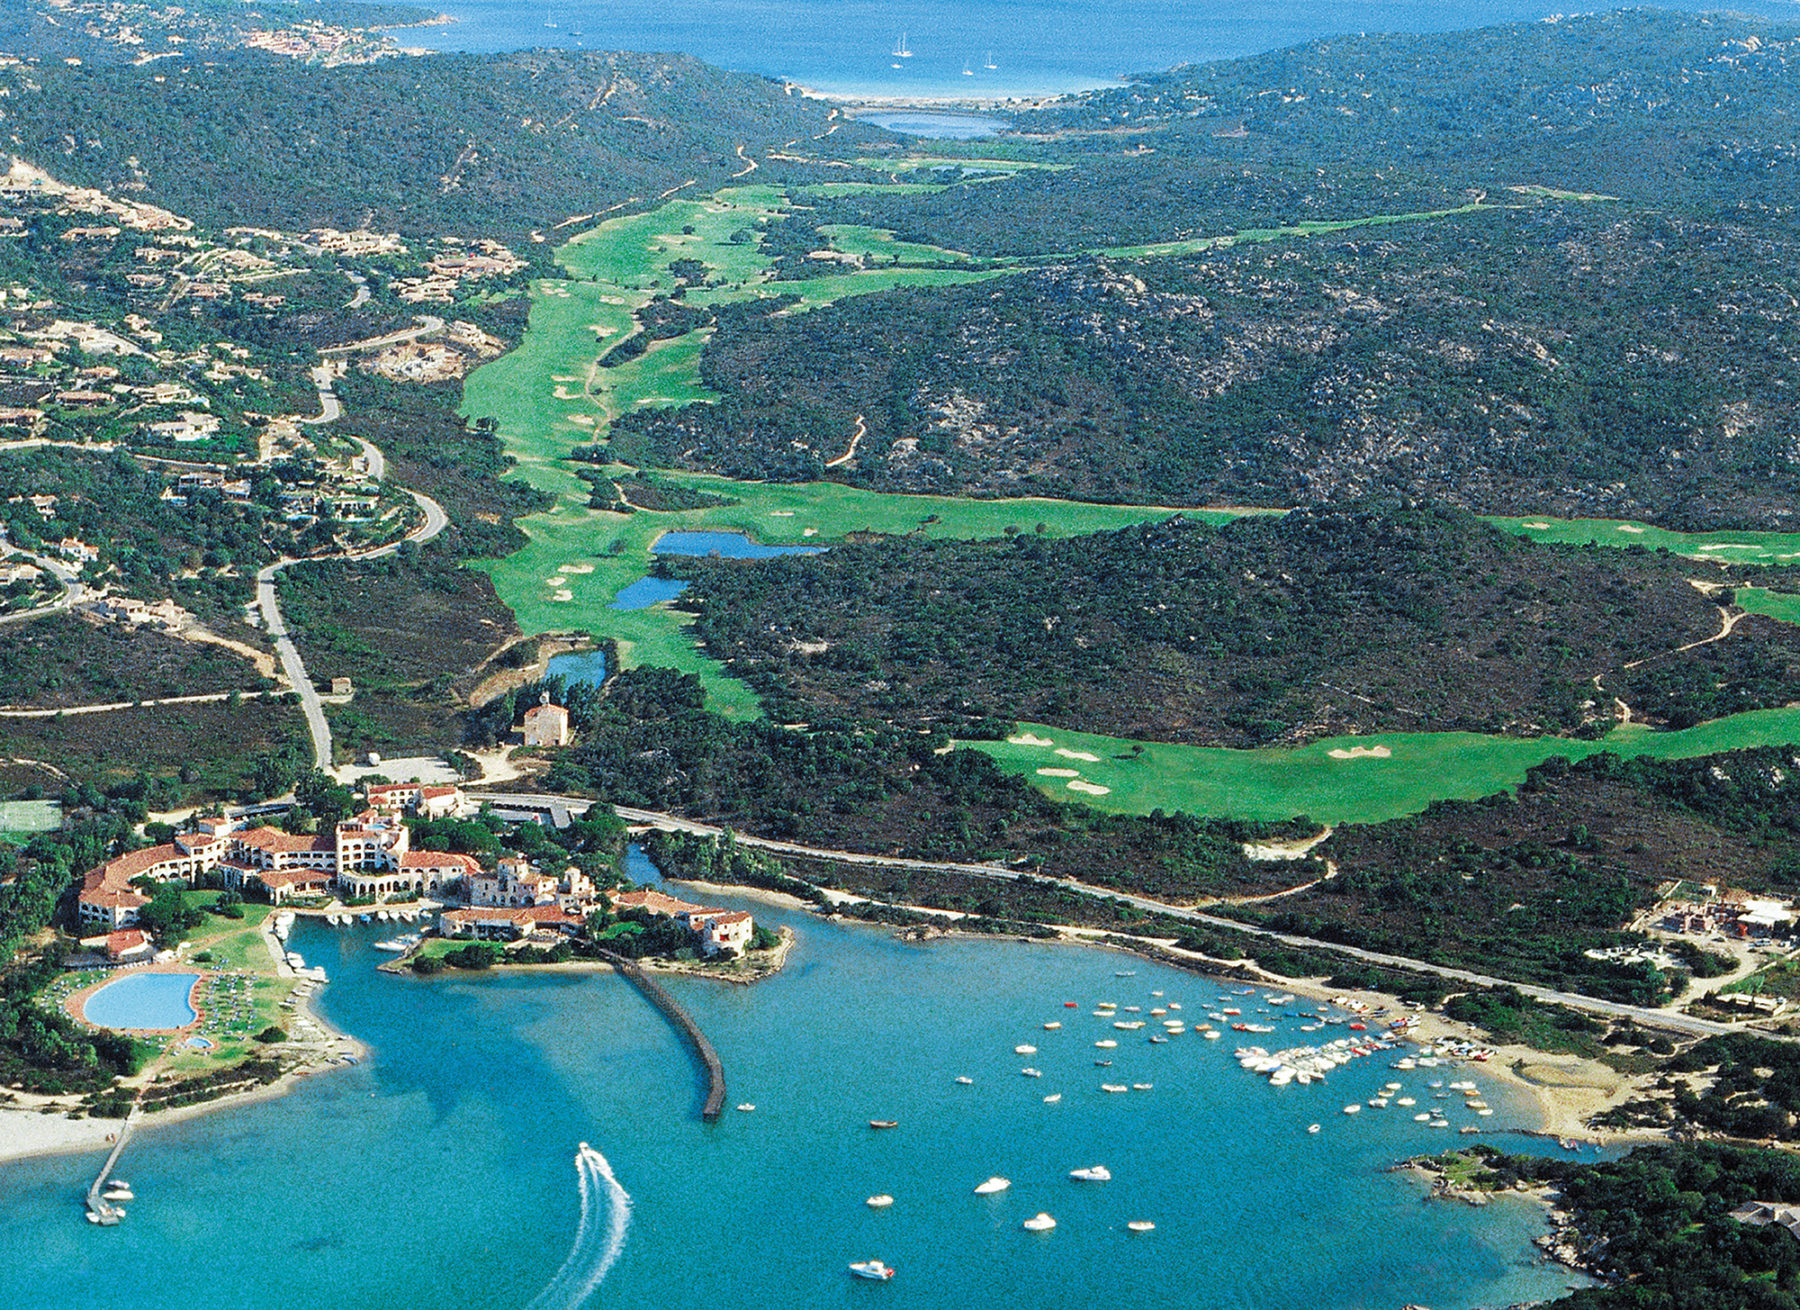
(1567, 358)
(1682, 111)
(487, 145)
(1360, 618)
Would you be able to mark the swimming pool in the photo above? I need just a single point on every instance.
(143, 1000)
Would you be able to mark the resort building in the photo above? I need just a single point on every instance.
(546, 724)
(505, 924)
(366, 856)
(513, 882)
(429, 873)
(428, 802)
(717, 930)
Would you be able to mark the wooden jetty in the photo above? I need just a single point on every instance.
(105, 1212)
(684, 1023)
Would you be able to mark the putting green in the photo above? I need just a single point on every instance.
(1728, 547)
(1340, 779)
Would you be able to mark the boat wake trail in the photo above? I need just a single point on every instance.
(597, 1245)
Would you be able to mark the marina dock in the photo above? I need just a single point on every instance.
(684, 1023)
(104, 1212)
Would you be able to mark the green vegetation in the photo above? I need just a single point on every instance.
(372, 144)
(1364, 617)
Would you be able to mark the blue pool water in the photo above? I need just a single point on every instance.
(144, 1000)
(199, 1043)
(726, 545)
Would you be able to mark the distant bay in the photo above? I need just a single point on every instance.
(1035, 47)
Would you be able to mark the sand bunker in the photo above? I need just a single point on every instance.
(557, 581)
(562, 595)
(1536, 527)
(1631, 528)
(1077, 755)
(577, 568)
(781, 513)
(809, 532)
(1026, 739)
(1361, 753)
(1059, 773)
(1089, 788)
(1729, 545)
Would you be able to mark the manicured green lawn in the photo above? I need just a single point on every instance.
(1731, 547)
(1779, 605)
(1274, 784)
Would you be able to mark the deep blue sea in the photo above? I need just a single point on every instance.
(443, 1171)
(846, 47)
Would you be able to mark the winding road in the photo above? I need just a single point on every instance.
(293, 668)
(1669, 1020)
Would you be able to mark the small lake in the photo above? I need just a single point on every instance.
(144, 1000)
(587, 667)
(646, 592)
(726, 545)
(939, 126)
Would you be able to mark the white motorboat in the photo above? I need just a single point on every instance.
(746, 1107)
(1141, 1226)
(1097, 1173)
(873, 1270)
(1024, 1050)
(964, 1080)
(1053, 1098)
(881, 1202)
(1039, 1223)
(1031, 1073)
(992, 1185)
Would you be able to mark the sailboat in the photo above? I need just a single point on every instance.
(967, 71)
(900, 50)
(990, 64)
(549, 18)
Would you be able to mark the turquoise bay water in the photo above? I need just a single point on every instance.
(441, 1171)
(144, 1000)
(845, 47)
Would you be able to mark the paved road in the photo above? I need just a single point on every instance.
(330, 408)
(292, 666)
(1655, 1018)
(427, 324)
(73, 592)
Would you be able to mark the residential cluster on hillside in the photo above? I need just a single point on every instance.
(369, 858)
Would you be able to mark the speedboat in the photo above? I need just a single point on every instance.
(1098, 1173)
(872, 1269)
(1052, 1026)
(881, 1202)
(1031, 1073)
(884, 1123)
(1039, 1223)
(1141, 1226)
(964, 1079)
(1106, 1044)
(746, 1107)
(992, 1185)
(1024, 1050)
(1114, 1087)
(1053, 1098)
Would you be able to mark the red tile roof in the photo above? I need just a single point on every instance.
(439, 860)
(652, 900)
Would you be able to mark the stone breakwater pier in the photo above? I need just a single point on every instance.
(684, 1023)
